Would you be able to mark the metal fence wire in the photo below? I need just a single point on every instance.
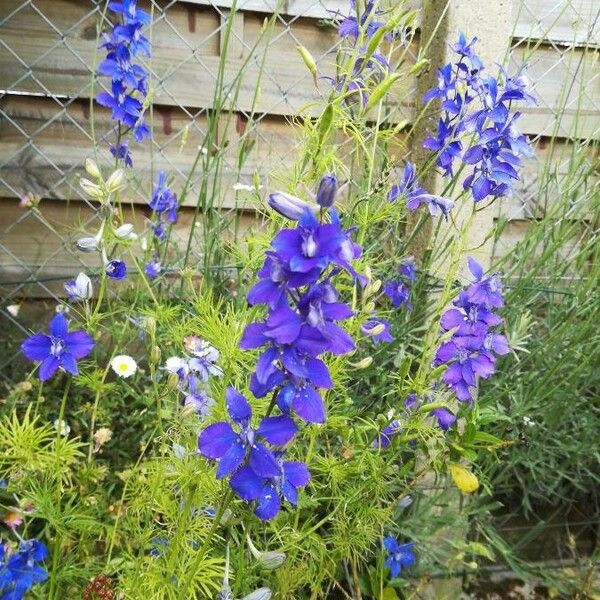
(48, 56)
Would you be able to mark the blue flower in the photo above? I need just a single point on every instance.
(416, 195)
(303, 309)
(496, 145)
(371, 329)
(164, 204)
(289, 206)
(266, 491)
(129, 86)
(19, 571)
(445, 418)
(326, 191)
(232, 449)
(79, 288)
(116, 269)
(471, 350)
(399, 555)
(384, 439)
(122, 153)
(152, 269)
(61, 349)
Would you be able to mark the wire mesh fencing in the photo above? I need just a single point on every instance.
(49, 123)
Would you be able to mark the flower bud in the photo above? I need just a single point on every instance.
(125, 231)
(362, 364)
(92, 168)
(91, 189)
(155, 354)
(326, 191)
(373, 288)
(309, 61)
(115, 181)
(377, 330)
(370, 307)
(259, 594)
(87, 244)
(172, 381)
(289, 206)
(267, 560)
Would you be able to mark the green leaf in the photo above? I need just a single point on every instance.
(389, 594)
(381, 90)
(481, 550)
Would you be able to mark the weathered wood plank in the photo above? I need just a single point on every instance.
(185, 56)
(557, 168)
(39, 246)
(562, 21)
(51, 162)
(315, 9)
(59, 141)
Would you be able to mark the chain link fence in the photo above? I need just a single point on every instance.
(48, 55)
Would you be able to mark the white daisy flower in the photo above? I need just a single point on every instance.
(123, 365)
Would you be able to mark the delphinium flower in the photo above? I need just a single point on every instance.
(416, 196)
(296, 283)
(359, 65)
(399, 556)
(398, 290)
(350, 26)
(478, 109)
(233, 449)
(152, 268)
(472, 348)
(303, 308)
(267, 491)
(164, 206)
(129, 80)
(61, 349)
(116, 269)
(377, 330)
(79, 289)
(19, 571)
(194, 371)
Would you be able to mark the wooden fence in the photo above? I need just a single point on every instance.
(48, 56)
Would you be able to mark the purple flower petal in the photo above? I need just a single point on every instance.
(37, 346)
(232, 459)
(253, 336)
(263, 462)
(79, 343)
(237, 406)
(308, 405)
(278, 431)
(68, 363)
(48, 367)
(269, 503)
(247, 484)
(216, 439)
(59, 326)
(297, 473)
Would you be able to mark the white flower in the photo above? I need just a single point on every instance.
(62, 427)
(13, 309)
(175, 364)
(123, 365)
(79, 288)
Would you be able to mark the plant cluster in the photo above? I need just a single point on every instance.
(215, 411)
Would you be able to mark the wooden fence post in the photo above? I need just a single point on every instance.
(442, 21)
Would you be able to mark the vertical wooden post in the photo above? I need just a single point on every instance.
(442, 21)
